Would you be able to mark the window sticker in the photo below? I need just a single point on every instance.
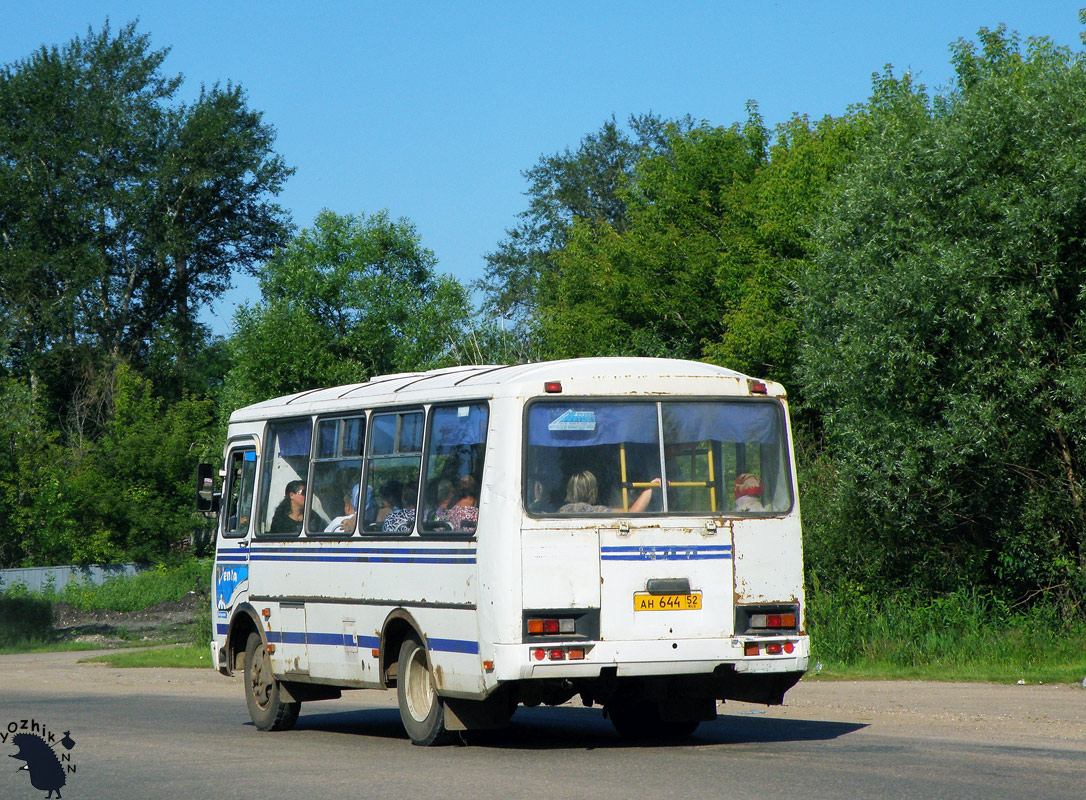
(574, 420)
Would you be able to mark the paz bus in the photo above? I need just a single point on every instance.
(625, 530)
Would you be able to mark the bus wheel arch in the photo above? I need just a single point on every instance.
(244, 622)
(398, 627)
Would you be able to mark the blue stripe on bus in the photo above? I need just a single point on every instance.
(343, 640)
(372, 642)
(667, 553)
(316, 559)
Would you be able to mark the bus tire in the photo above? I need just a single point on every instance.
(262, 690)
(421, 709)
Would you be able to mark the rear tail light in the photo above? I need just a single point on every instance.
(557, 653)
(551, 626)
(770, 621)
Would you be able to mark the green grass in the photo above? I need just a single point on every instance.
(968, 635)
(162, 584)
(186, 655)
(26, 618)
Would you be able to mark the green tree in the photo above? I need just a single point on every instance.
(715, 229)
(350, 298)
(943, 337)
(122, 211)
(573, 185)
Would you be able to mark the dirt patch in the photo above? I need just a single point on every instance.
(164, 622)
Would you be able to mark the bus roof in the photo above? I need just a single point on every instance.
(577, 376)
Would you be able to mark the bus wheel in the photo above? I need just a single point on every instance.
(640, 719)
(421, 710)
(262, 695)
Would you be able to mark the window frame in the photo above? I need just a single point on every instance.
(264, 487)
(239, 447)
(660, 403)
(314, 461)
(425, 468)
(367, 467)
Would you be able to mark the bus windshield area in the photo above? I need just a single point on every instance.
(614, 457)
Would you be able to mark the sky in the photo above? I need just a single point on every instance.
(433, 110)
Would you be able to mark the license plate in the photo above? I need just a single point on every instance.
(643, 601)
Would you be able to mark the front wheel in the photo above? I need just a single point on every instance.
(262, 690)
(421, 710)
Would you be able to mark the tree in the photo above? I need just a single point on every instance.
(943, 319)
(121, 211)
(350, 298)
(716, 227)
(582, 184)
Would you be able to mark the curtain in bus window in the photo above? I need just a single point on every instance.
(454, 468)
(731, 422)
(591, 424)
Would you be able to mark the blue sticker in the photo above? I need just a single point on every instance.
(228, 578)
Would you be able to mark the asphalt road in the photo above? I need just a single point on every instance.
(186, 734)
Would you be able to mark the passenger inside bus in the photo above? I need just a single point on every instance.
(390, 496)
(444, 493)
(748, 493)
(288, 515)
(464, 515)
(346, 522)
(402, 519)
(582, 493)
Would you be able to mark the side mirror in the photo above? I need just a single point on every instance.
(207, 500)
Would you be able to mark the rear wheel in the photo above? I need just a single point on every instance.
(421, 710)
(262, 690)
(640, 719)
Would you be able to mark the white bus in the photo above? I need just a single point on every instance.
(623, 529)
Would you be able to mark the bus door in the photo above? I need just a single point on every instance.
(232, 546)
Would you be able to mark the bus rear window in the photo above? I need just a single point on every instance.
(715, 457)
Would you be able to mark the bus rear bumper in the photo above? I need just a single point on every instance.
(776, 654)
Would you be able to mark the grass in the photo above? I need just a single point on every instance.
(968, 635)
(146, 589)
(185, 655)
(26, 618)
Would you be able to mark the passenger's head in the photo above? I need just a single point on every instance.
(582, 488)
(390, 493)
(407, 496)
(296, 488)
(445, 489)
(747, 485)
(468, 486)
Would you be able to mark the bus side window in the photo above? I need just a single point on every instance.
(337, 471)
(241, 481)
(395, 460)
(454, 467)
(286, 470)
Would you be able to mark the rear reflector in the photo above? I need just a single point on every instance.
(751, 649)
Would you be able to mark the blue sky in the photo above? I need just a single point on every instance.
(433, 110)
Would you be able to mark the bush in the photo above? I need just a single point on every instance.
(24, 617)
